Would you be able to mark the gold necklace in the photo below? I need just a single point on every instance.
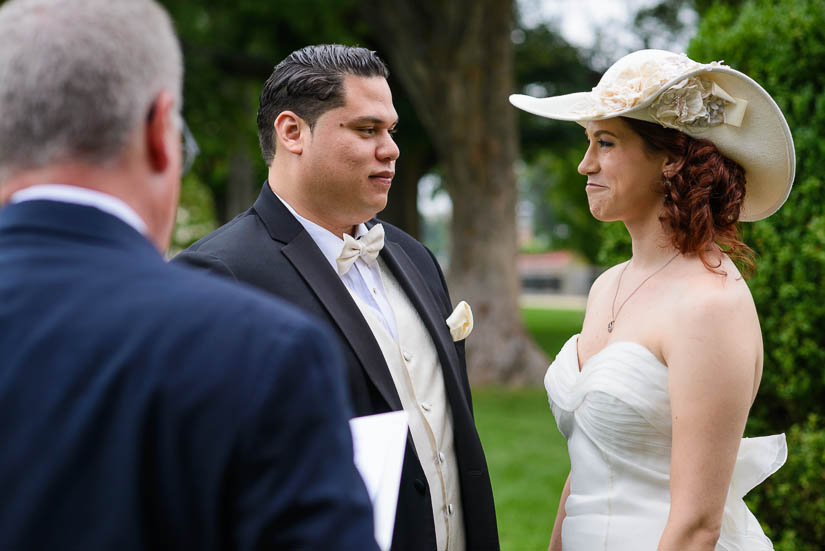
(613, 313)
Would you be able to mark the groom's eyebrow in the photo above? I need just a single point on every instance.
(373, 120)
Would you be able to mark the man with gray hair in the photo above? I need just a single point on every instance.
(144, 405)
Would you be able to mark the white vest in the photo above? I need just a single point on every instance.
(416, 372)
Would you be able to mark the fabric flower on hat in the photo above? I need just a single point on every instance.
(624, 89)
(694, 102)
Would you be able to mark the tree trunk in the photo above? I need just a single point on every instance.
(454, 58)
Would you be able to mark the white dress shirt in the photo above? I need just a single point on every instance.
(362, 279)
(82, 196)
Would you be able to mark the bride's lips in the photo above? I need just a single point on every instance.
(385, 177)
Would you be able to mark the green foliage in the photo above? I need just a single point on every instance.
(196, 214)
(702, 6)
(791, 504)
(615, 244)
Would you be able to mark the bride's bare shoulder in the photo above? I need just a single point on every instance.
(714, 331)
(715, 299)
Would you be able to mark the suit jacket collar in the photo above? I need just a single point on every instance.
(277, 219)
(79, 221)
(82, 196)
(309, 261)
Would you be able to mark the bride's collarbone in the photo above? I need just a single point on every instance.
(643, 324)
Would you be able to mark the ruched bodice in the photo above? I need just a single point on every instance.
(615, 414)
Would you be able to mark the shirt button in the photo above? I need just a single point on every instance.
(450, 509)
(426, 406)
(407, 355)
(441, 457)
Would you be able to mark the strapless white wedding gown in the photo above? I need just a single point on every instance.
(615, 414)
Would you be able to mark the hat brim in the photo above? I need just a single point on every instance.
(762, 144)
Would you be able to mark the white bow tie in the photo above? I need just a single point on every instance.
(367, 247)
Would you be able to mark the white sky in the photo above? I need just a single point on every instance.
(581, 20)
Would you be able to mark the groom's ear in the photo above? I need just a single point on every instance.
(290, 131)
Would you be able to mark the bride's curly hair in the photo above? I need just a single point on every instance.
(702, 199)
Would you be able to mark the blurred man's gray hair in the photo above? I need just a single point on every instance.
(77, 77)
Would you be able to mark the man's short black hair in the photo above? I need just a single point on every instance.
(309, 82)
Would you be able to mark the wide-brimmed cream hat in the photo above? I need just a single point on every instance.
(703, 100)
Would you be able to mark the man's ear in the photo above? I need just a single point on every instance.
(160, 137)
(291, 131)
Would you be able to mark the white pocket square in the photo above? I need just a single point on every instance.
(460, 321)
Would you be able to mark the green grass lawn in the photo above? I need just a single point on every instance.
(526, 454)
(552, 328)
(527, 458)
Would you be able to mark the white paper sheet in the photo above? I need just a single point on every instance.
(379, 442)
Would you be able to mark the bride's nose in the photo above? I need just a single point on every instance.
(588, 164)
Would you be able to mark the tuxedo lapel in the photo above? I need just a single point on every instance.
(410, 280)
(306, 257)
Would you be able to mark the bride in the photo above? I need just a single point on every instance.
(653, 395)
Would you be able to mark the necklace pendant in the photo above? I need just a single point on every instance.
(610, 326)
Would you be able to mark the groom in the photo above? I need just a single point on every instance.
(325, 124)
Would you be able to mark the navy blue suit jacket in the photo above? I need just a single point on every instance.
(148, 406)
(268, 248)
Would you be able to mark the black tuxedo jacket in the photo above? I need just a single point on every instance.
(268, 248)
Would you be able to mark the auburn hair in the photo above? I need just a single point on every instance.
(702, 199)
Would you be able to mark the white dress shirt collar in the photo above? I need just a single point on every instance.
(329, 243)
(82, 196)
(364, 280)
